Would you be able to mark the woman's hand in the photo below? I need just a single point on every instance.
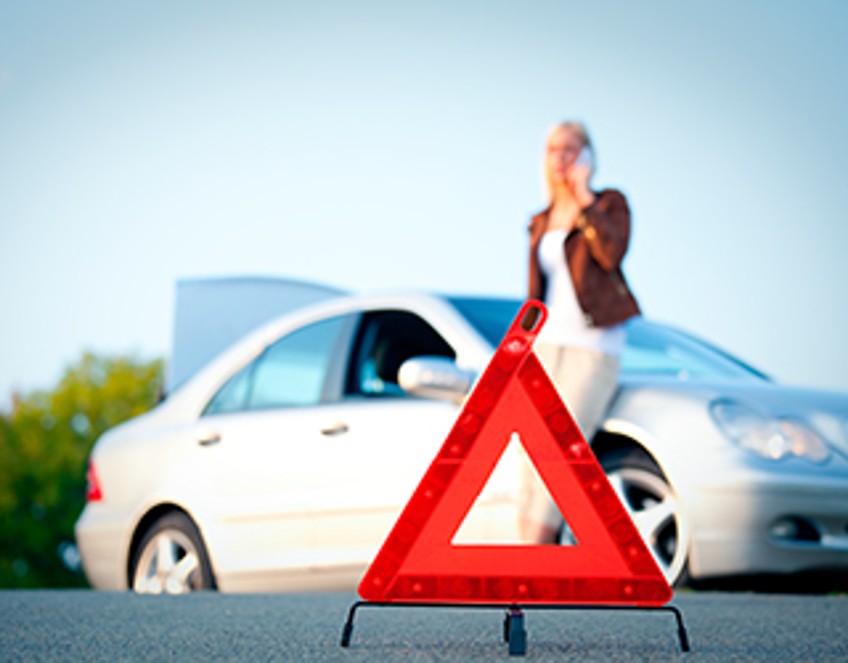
(577, 178)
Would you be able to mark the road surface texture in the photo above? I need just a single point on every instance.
(104, 626)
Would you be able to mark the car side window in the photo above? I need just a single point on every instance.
(290, 372)
(384, 340)
(232, 397)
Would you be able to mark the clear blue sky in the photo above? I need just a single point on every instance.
(393, 145)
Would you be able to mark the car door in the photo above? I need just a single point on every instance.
(384, 438)
(264, 453)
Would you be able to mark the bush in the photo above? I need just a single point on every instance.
(44, 444)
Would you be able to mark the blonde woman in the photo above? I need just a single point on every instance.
(576, 247)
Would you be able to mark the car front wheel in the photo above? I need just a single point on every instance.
(650, 500)
(171, 558)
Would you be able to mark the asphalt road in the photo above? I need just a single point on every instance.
(103, 626)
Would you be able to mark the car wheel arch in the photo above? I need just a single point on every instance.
(146, 522)
(605, 443)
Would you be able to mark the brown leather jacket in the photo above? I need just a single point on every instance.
(593, 251)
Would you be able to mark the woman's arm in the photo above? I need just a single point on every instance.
(605, 225)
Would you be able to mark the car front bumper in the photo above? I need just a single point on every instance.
(762, 523)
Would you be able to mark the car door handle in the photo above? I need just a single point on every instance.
(208, 438)
(336, 429)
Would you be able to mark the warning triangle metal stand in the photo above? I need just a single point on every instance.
(610, 568)
(514, 629)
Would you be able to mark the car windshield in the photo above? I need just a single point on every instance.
(652, 348)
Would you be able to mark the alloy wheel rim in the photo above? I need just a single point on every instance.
(655, 511)
(167, 564)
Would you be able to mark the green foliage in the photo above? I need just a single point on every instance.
(44, 445)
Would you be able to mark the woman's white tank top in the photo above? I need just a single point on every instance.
(566, 324)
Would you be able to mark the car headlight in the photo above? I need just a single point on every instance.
(767, 436)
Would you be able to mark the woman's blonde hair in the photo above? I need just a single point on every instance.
(577, 128)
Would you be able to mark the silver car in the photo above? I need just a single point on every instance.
(284, 462)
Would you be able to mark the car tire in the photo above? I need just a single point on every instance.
(652, 504)
(171, 558)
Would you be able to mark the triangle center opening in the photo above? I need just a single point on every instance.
(496, 516)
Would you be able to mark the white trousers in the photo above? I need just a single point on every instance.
(587, 381)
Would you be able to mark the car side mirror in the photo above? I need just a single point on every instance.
(435, 377)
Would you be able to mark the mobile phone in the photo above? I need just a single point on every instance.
(585, 158)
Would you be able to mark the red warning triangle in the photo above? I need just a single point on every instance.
(610, 563)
